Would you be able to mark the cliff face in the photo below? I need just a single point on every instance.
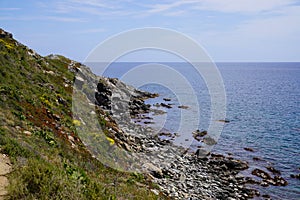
(39, 131)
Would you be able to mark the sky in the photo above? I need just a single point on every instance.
(228, 30)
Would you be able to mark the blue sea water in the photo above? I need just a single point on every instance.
(263, 106)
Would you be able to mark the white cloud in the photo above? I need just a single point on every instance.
(43, 18)
(120, 8)
(92, 3)
(109, 9)
(242, 6)
(63, 19)
(228, 6)
(168, 6)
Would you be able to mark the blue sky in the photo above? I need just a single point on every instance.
(229, 30)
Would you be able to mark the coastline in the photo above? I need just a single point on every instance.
(176, 172)
(180, 174)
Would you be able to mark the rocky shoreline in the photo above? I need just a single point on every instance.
(180, 174)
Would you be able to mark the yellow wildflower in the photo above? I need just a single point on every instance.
(76, 122)
(111, 141)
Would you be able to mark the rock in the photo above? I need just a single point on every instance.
(279, 181)
(264, 184)
(62, 101)
(248, 149)
(295, 176)
(200, 153)
(273, 170)
(266, 196)
(262, 174)
(4, 34)
(3, 185)
(27, 133)
(198, 134)
(5, 165)
(56, 117)
(147, 117)
(276, 181)
(168, 134)
(183, 107)
(71, 138)
(148, 122)
(49, 72)
(102, 100)
(126, 146)
(165, 105)
(79, 81)
(156, 192)
(236, 164)
(166, 99)
(209, 141)
(5, 168)
(156, 105)
(216, 155)
(155, 171)
(182, 177)
(158, 112)
(251, 181)
(257, 159)
(224, 120)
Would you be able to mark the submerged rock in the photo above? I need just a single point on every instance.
(209, 141)
(199, 134)
(297, 176)
(257, 159)
(165, 105)
(183, 107)
(224, 120)
(248, 149)
(273, 170)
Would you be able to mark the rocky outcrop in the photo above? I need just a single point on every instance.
(4, 34)
(5, 168)
(268, 179)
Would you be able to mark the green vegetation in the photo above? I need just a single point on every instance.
(36, 126)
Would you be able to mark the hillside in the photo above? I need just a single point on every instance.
(38, 132)
(66, 133)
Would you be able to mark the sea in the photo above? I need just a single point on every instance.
(262, 108)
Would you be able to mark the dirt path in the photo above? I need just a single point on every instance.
(5, 168)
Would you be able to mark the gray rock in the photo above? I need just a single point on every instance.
(154, 170)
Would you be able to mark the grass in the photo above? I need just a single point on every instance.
(45, 163)
(63, 175)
